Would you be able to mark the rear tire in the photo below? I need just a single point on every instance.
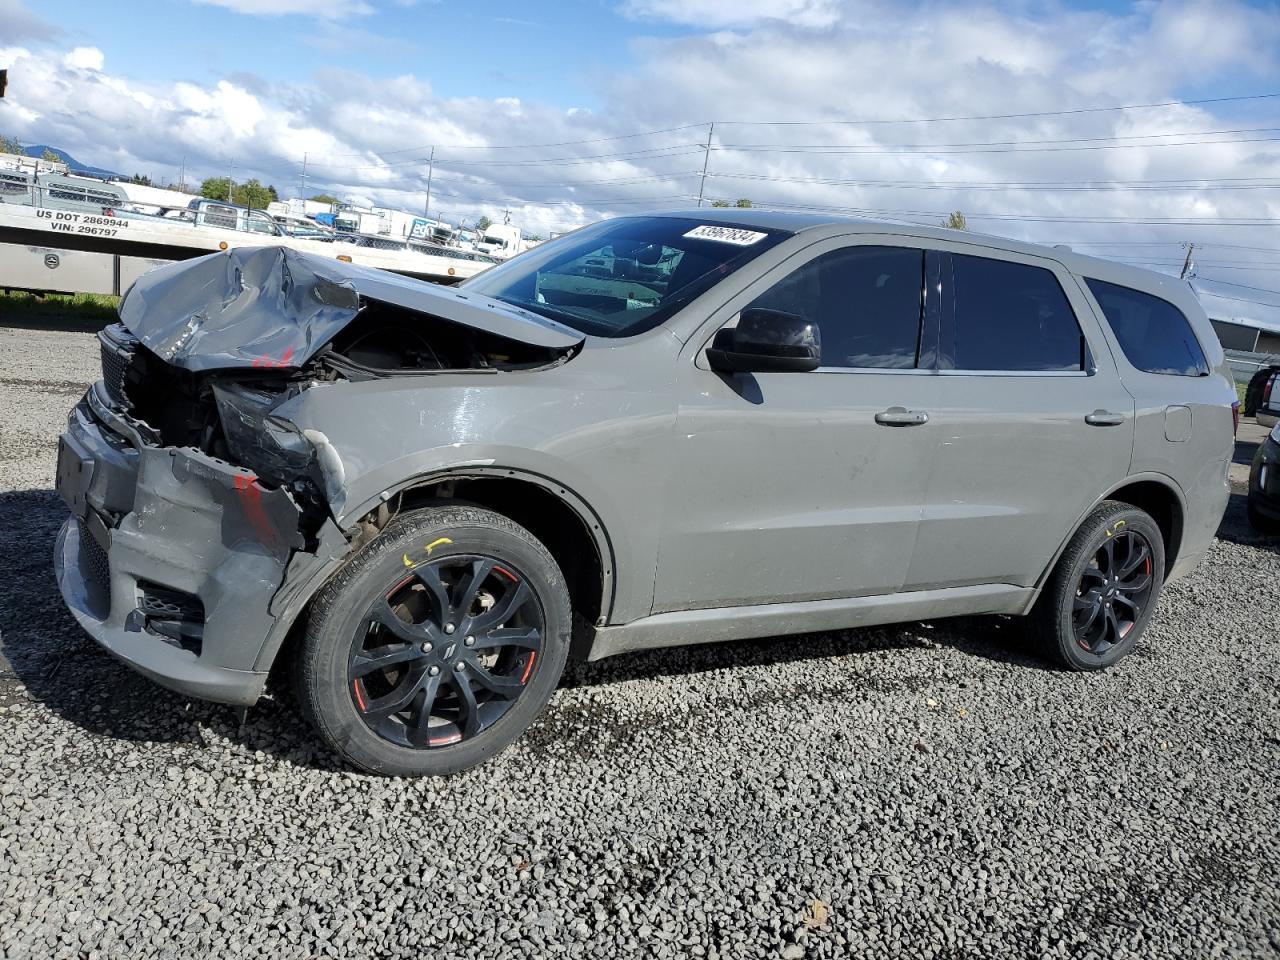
(437, 646)
(1103, 590)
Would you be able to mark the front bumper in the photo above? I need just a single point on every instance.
(154, 521)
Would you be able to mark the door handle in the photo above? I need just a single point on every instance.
(1104, 418)
(901, 417)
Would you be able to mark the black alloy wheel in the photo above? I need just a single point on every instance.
(1096, 603)
(446, 652)
(1114, 591)
(437, 645)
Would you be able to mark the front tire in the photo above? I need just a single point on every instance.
(1101, 595)
(435, 648)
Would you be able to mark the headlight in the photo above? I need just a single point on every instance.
(271, 446)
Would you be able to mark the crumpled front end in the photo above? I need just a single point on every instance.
(171, 557)
(202, 519)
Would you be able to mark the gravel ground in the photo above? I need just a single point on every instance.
(921, 791)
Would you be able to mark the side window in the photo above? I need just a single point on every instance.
(865, 300)
(1154, 334)
(1011, 316)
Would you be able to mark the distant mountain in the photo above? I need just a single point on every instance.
(74, 165)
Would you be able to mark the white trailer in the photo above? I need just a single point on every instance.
(40, 249)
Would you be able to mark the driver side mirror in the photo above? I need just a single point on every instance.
(766, 341)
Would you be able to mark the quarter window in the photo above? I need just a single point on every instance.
(1011, 316)
(1154, 334)
(865, 300)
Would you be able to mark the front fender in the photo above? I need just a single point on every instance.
(601, 448)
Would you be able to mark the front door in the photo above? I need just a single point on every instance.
(805, 486)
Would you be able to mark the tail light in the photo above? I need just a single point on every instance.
(1235, 417)
(1268, 389)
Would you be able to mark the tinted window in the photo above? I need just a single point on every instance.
(1011, 316)
(865, 300)
(1153, 333)
(624, 276)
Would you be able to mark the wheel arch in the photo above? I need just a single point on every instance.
(566, 524)
(1155, 493)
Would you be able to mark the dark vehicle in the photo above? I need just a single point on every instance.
(1262, 397)
(668, 429)
(1264, 485)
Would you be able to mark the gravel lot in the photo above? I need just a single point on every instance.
(921, 791)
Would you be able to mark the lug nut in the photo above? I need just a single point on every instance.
(426, 647)
(469, 642)
(459, 667)
(449, 628)
(434, 671)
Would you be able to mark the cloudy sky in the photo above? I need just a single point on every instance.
(566, 112)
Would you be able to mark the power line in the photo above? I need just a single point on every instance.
(1241, 286)
(984, 185)
(873, 149)
(1007, 116)
(1004, 143)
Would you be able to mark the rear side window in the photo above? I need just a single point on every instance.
(1155, 336)
(865, 300)
(1011, 316)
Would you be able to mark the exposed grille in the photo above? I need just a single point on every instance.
(168, 604)
(117, 354)
(171, 615)
(95, 559)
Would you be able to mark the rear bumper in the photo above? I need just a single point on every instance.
(151, 521)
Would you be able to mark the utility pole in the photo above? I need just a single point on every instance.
(303, 191)
(182, 175)
(1187, 265)
(431, 169)
(705, 158)
(231, 171)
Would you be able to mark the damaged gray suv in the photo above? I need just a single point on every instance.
(664, 429)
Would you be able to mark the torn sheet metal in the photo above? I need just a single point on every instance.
(273, 307)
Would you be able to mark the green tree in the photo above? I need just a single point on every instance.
(534, 238)
(742, 202)
(324, 198)
(719, 203)
(956, 221)
(483, 224)
(141, 179)
(250, 193)
(51, 157)
(10, 144)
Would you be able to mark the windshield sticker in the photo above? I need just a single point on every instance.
(739, 238)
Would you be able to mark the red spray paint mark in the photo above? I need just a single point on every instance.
(251, 502)
(267, 362)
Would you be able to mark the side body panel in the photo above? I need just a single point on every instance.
(1184, 429)
(1016, 463)
(785, 489)
(599, 426)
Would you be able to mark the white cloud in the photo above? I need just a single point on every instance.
(316, 9)
(736, 13)
(85, 58)
(371, 138)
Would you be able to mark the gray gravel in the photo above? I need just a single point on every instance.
(921, 791)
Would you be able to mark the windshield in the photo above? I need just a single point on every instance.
(622, 277)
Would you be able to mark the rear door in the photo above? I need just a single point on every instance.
(1032, 420)
(805, 486)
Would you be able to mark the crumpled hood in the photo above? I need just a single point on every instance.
(275, 307)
